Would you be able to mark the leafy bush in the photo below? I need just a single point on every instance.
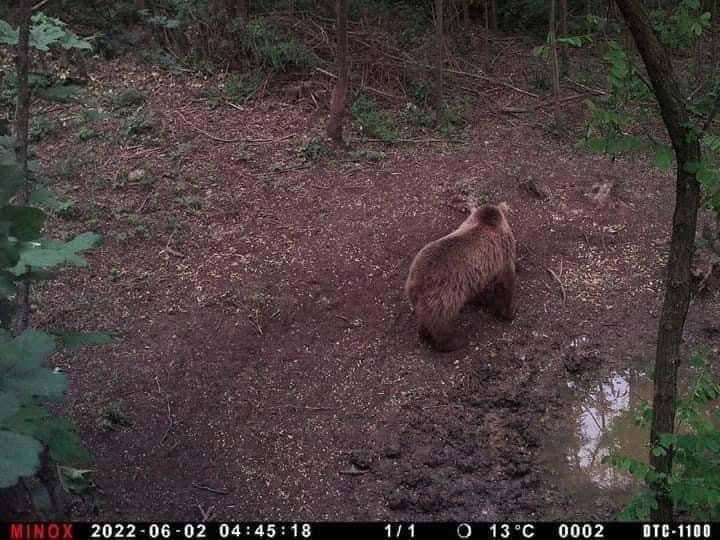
(694, 485)
(26, 383)
(127, 98)
(240, 88)
(315, 149)
(372, 121)
(269, 49)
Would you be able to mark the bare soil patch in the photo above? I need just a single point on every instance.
(269, 367)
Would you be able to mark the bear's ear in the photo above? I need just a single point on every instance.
(504, 208)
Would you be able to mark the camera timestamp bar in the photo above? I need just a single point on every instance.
(292, 530)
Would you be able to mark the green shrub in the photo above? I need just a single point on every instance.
(371, 120)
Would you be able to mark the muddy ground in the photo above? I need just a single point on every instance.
(268, 365)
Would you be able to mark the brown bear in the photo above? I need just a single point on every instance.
(476, 259)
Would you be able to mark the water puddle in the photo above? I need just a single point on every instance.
(605, 425)
(601, 422)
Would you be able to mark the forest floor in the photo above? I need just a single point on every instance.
(268, 366)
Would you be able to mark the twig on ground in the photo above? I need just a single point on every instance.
(206, 515)
(406, 141)
(40, 5)
(171, 423)
(222, 140)
(594, 91)
(557, 277)
(363, 86)
(256, 323)
(211, 490)
(513, 110)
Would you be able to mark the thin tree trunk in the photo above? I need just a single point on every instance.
(22, 119)
(244, 11)
(677, 285)
(714, 24)
(493, 15)
(555, 66)
(486, 15)
(439, 57)
(466, 14)
(339, 99)
(564, 63)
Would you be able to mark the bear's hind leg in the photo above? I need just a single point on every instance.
(439, 331)
(504, 293)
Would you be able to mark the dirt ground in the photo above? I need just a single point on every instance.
(268, 365)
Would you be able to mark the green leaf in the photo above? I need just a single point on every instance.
(63, 93)
(19, 456)
(84, 241)
(48, 31)
(42, 196)
(9, 252)
(73, 340)
(39, 382)
(34, 347)
(12, 180)
(8, 35)
(7, 284)
(75, 480)
(26, 222)
(53, 253)
(692, 167)
(9, 404)
(712, 142)
(659, 451)
(697, 360)
(66, 447)
(663, 157)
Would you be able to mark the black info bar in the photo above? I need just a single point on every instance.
(267, 530)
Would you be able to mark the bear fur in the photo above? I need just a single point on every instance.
(476, 259)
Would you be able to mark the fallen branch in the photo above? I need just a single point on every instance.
(363, 86)
(557, 277)
(211, 490)
(40, 5)
(514, 110)
(220, 139)
(594, 91)
(407, 141)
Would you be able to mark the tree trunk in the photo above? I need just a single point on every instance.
(439, 57)
(486, 15)
(339, 99)
(244, 11)
(22, 110)
(714, 24)
(466, 14)
(22, 120)
(493, 15)
(555, 66)
(677, 285)
(564, 63)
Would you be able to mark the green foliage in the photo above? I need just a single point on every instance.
(240, 88)
(683, 25)
(367, 154)
(572, 41)
(270, 50)
(624, 84)
(45, 32)
(452, 119)
(140, 122)
(26, 426)
(371, 120)
(315, 149)
(128, 98)
(694, 485)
